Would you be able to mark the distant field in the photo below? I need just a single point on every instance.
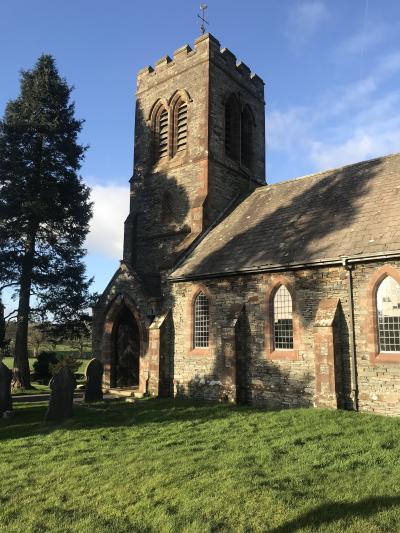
(66, 349)
(81, 370)
(39, 387)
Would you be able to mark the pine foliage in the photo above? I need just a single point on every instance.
(45, 207)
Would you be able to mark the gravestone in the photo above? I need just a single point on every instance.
(62, 386)
(5, 389)
(94, 378)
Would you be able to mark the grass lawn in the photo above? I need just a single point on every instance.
(168, 466)
(81, 370)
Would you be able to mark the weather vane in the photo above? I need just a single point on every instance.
(202, 17)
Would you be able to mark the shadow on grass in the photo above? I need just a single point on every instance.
(29, 418)
(331, 512)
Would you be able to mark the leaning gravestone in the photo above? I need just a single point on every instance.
(5, 389)
(62, 386)
(94, 378)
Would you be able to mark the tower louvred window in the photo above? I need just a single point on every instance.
(181, 128)
(246, 138)
(232, 128)
(163, 134)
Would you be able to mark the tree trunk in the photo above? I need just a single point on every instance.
(21, 363)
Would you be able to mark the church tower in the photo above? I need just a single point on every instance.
(199, 148)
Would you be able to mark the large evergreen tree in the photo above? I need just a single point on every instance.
(44, 206)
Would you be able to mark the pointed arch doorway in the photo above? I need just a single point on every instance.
(124, 343)
(125, 363)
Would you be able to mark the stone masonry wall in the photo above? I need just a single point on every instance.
(201, 181)
(285, 382)
(379, 381)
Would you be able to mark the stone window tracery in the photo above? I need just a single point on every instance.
(201, 321)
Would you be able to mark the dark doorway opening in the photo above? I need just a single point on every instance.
(125, 368)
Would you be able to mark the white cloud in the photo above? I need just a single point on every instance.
(111, 207)
(361, 42)
(304, 20)
(287, 128)
(377, 138)
(347, 124)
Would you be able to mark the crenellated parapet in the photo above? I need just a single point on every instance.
(207, 45)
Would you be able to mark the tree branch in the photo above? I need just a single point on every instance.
(10, 314)
(8, 285)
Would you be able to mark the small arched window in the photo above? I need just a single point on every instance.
(246, 137)
(201, 321)
(388, 314)
(283, 319)
(162, 132)
(180, 126)
(232, 127)
(167, 208)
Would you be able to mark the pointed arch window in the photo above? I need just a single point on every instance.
(246, 137)
(180, 126)
(283, 319)
(232, 127)
(163, 133)
(388, 315)
(201, 321)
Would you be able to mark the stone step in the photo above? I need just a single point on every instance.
(124, 393)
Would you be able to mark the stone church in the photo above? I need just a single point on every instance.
(231, 289)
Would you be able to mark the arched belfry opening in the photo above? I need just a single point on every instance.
(125, 360)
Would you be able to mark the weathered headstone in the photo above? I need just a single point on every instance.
(5, 389)
(94, 378)
(62, 386)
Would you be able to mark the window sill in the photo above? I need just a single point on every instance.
(200, 351)
(385, 357)
(283, 355)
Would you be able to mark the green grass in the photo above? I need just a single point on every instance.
(36, 388)
(160, 466)
(8, 361)
(66, 349)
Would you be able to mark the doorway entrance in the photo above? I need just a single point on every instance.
(126, 351)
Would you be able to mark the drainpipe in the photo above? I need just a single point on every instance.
(352, 336)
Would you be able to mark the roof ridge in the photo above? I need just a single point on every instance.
(329, 170)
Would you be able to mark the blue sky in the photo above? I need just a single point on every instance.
(331, 68)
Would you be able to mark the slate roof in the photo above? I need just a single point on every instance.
(352, 211)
